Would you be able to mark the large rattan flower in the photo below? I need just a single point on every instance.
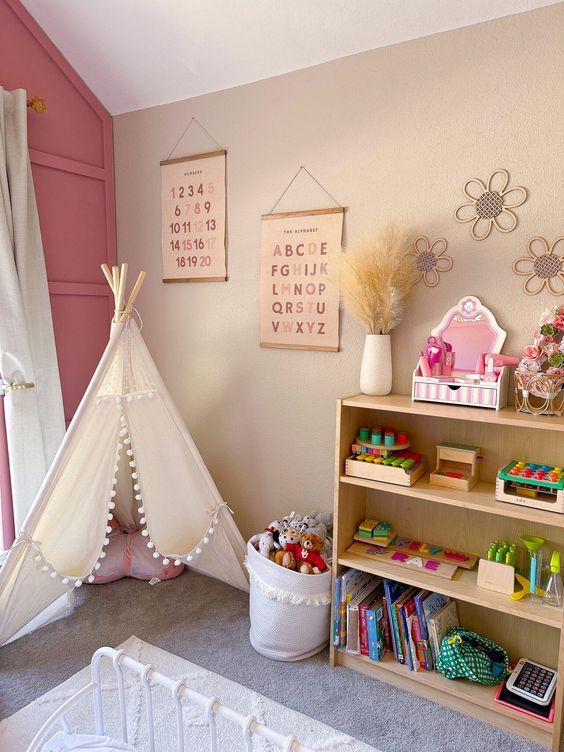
(490, 205)
(430, 259)
(542, 267)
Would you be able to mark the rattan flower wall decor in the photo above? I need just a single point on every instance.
(543, 266)
(489, 205)
(430, 259)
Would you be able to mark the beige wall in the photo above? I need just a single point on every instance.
(393, 134)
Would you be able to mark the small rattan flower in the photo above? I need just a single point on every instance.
(490, 205)
(430, 260)
(542, 267)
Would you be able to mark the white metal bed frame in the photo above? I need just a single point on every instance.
(150, 677)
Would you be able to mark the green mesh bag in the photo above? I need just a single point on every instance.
(468, 655)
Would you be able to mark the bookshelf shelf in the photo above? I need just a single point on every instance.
(473, 698)
(462, 587)
(480, 499)
(402, 403)
(466, 520)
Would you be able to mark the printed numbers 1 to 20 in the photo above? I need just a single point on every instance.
(192, 228)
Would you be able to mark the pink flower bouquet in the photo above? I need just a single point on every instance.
(546, 353)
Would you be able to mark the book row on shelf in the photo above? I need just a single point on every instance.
(374, 617)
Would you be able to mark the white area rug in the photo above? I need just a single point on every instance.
(17, 731)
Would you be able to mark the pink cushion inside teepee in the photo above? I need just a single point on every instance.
(127, 555)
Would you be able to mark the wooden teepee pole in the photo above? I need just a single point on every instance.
(108, 276)
(121, 291)
(132, 297)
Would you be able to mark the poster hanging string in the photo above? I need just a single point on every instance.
(285, 191)
(185, 131)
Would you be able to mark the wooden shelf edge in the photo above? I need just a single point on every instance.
(462, 587)
(467, 697)
(480, 499)
(507, 416)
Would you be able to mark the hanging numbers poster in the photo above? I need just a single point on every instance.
(299, 306)
(193, 218)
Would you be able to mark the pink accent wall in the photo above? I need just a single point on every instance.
(71, 151)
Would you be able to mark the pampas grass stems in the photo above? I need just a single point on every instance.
(376, 279)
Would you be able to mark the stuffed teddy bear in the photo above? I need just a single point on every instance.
(308, 554)
(288, 539)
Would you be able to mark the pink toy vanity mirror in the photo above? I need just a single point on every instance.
(471, 329)
(461, 361)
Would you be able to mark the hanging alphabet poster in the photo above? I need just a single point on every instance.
(193, 218)
(299, 306)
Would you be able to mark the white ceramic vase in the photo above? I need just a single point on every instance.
(376, 366)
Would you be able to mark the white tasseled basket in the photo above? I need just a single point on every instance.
(290, 612)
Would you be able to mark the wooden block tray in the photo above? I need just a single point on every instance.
(384, 473)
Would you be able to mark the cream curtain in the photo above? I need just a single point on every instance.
(34, 416)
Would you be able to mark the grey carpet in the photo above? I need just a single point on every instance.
(206, 622)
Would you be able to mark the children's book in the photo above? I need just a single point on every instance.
(400, 626)
(362, 619)
(426, 661)
(432, 603)
(365, 595)
(441, 623)
(351, 584)
(375, 626)
(336, 602)
(393, 590)
(419, 644)
(387, 634)
(409, 615)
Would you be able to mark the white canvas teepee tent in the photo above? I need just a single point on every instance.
(126, 453)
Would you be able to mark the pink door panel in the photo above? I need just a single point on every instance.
(71, 152)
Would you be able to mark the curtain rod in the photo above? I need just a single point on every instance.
(37, 104)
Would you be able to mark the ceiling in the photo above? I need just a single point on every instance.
(140, 53)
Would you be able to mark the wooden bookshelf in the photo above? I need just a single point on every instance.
(466, 520)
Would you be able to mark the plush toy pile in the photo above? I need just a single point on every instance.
(298, 543)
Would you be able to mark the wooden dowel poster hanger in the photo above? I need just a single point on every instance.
(193, 214)
(299, 307)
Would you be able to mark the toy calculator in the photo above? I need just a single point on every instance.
(532, 681)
